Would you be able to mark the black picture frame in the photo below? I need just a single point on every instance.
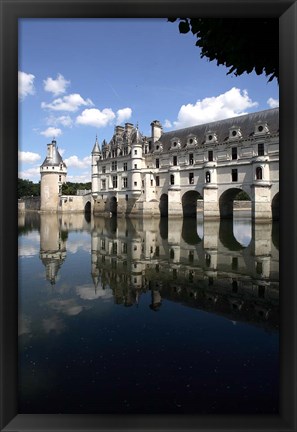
(11, 11)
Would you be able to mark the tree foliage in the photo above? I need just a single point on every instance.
(70, 188)
(27, 188)
(240, 44)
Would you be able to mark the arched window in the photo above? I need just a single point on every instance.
(207, 177)
(172, 179)
(259, 173)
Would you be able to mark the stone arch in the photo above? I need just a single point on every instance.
(87, 211)
(189, 203)
(189, 232)
(226, 202)
(227, 238)
(275, 207)
(113, 206)
(88, 207)
(163, 206)
(163, 227)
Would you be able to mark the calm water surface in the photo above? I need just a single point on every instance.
(148, 316)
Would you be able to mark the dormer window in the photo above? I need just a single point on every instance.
(234, 133)
(210, 137)
(261, 128)
(175, 143)
(158, 146)
(191, 141)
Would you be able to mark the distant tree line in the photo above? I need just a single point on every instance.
(70, 188)
(242, 196)
(26, 188)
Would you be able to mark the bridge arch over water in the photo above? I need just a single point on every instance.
(163, 205)
(226, 202)
(189, 203)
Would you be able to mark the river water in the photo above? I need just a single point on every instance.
(148, 316)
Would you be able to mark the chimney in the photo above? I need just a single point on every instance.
(156, 130)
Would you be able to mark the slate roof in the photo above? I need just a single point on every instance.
(221, 128)
(55, 160)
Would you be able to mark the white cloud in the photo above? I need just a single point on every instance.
(74, 161)
(167, 124)
(26, 84)
(273, 103)
(88, 292)
(28, 157)
(27, 251)
(95, 117)
(53, 324)
(230, 104)
(70, 103)
(51, 132)
(85, 178)
(30, 174)
(56, 86)
(63, 120)
(123, 114)
(66, 306)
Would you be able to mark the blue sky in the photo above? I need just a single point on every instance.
(78, 78)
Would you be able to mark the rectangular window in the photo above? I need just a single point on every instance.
(135, 183)
(114, 166)
(261, 291)
(60, 178)
(103, 184)
(125, 182)
(210, 155)
(114, 182)
(104, 169)
(191, 178)
(125, 166)
(234, 153)
(191, 256)
(234, 175)
(114, 248)
(172, 179)
(152, 182)
(191, 159)
(174, 160)
(135, 152)
(157, 181)
(126, 200)
(157, 163)
(261, 149)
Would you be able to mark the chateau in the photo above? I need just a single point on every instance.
(168, 173)
(165, 174)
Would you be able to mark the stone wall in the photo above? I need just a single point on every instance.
(29, 204)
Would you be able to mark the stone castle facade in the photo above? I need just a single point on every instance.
(165, 174)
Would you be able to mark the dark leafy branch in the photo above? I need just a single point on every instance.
(240, 44)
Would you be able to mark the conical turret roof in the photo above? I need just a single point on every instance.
(96, 148)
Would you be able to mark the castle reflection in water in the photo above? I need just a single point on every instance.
(225, 267)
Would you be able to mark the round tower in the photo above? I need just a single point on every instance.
(136, 161)
(53, 173)
(96, 155)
